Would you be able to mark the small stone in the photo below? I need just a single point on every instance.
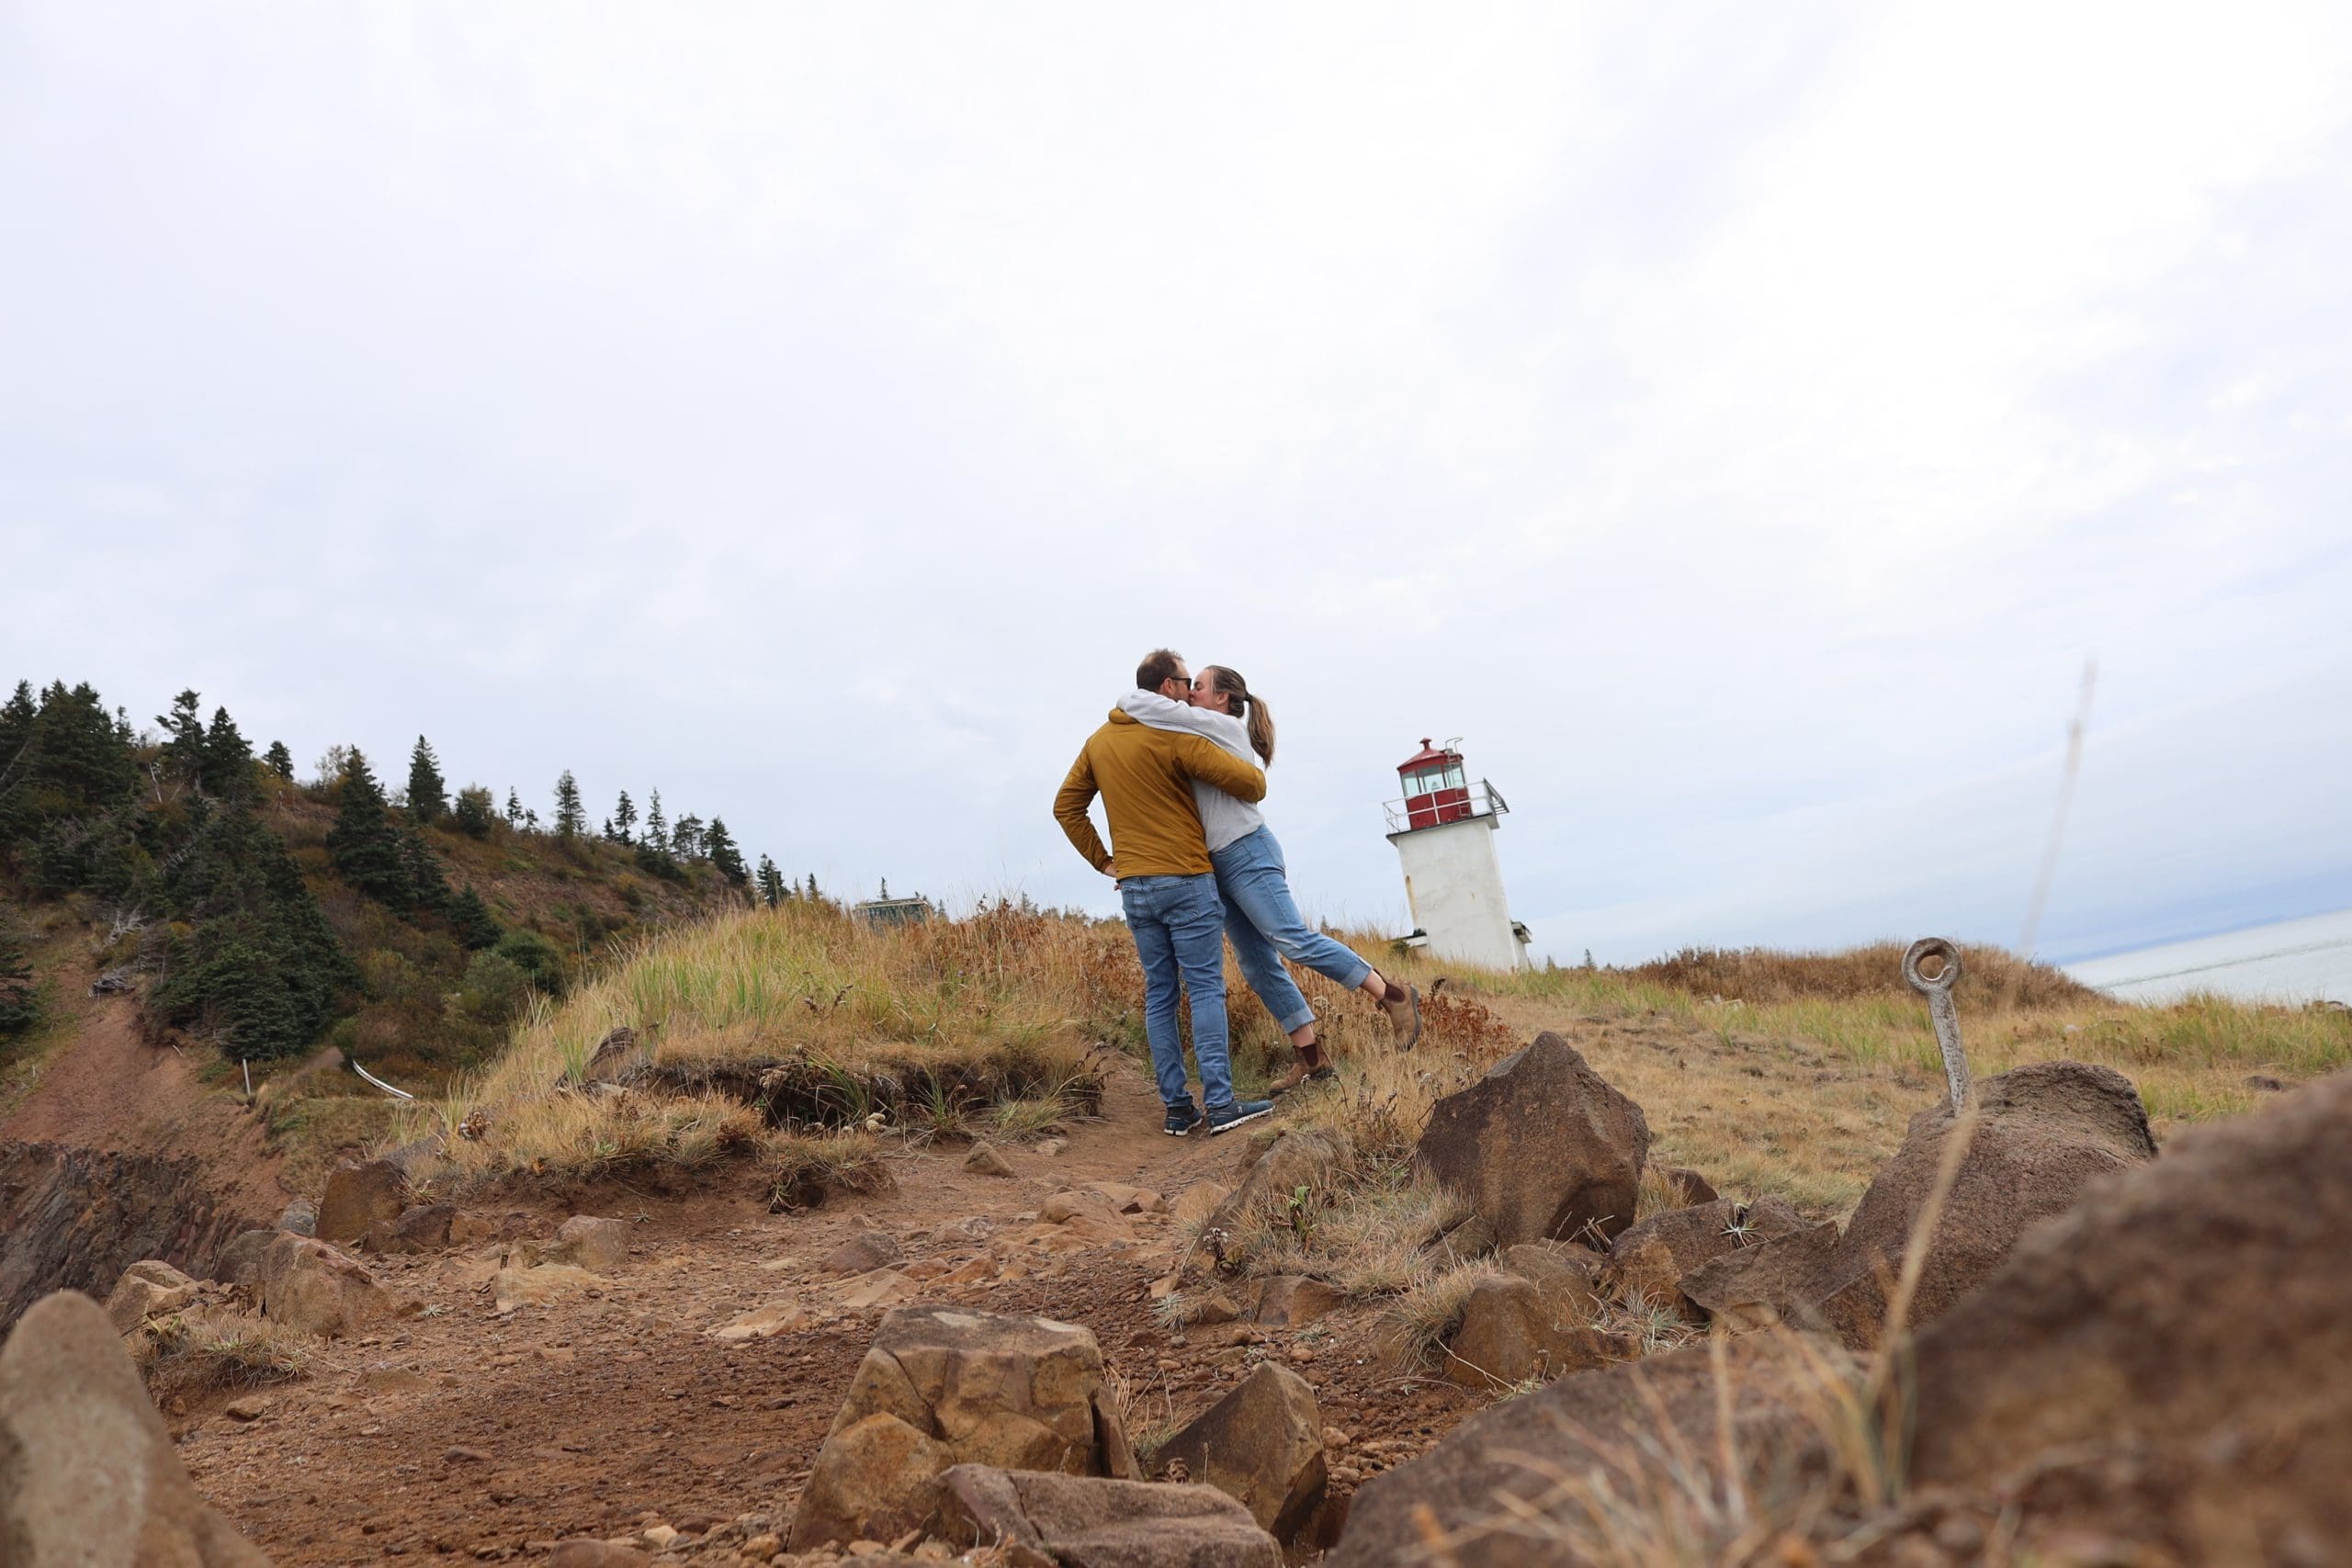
(590, 1552)
(1049, 1148)
(658, 1537)
(1302, 1354)
(252, 1408)
(764, 1547)
(455, 1454)
(987, 1159)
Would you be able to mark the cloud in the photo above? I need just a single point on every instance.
(1741, 435)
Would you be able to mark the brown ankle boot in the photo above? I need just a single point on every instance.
(1402, 1006)
(1308, 1068)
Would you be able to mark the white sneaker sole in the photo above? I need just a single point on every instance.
(1217, 1127)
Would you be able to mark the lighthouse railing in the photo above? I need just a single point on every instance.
(1438, 809)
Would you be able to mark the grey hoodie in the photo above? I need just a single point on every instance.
(1223, 818)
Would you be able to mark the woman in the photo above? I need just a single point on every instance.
(1261, 919)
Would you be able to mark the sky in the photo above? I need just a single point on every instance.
(1741, 425)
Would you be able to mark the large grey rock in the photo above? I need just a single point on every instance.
(2175, 1347)
(1513, 1329)
(89, 1478)
(1491, 1486)
(1261, 1445)
(1654, 1256)
(310, 1286)
(239, 1263)
(2044, 1134)
(1062, 1522)
(1756, 1287)
(422, 1227)
(360, 1197)
(942, 1386)
(150, 1288)
(1542, 1147)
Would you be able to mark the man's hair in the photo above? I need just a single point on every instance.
(1158, 666)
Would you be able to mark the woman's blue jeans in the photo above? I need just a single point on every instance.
(1177, 927)
(1262, 921)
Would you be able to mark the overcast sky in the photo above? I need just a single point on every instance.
(1739, 423)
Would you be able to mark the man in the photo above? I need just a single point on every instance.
(1161, 860)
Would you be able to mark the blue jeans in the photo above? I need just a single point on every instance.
(1178, 925)
(1263, 922)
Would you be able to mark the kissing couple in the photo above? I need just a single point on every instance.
(1180, 768)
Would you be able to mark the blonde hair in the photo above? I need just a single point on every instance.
(1261, 718)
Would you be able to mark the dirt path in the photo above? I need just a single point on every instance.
(457, 1433)
(108, 1090)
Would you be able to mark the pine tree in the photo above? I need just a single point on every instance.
(685, 837)
(280, 761)
(571, 819)
(16, 728)
(772, 889)
(363, 843)
(657, 827)
(513, 809)
(475, 813)
(476, 927)
(428, 889)
(624, 817)
(428, 793)
(227, 767)
(183, 739)
(20, 997)
(653, 848)
(718, 846)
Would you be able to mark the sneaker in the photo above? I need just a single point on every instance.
(1240, 1111)
(1405, 1017)
(1300, 1073)
(1182, 1119)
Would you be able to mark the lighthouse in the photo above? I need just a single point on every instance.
(1443, 827)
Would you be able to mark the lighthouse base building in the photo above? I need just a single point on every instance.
(1444, 829)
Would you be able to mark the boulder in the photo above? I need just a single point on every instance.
(1063, 1521)
(1513, 1330)
(148, 1288)
(422, 1227)
(1689, 1187)
(239, 1263)
(1480, 1490)
(975, 1388)
(1653, 1256)
(2172, 1352)
(1542, 1147)
(2044, 1132)
(360, 1197)
(87, 1474)
(863, 1252)
(987, 1159)
(514, 1286)
(599, 1246)
(312, 1287)
(1564, 1271)
(301, 1216)
(1293, 1300)
(1303, 1157)
(1756, 1287)
(1261, 1445)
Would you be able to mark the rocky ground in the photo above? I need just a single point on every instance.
(459, 1431)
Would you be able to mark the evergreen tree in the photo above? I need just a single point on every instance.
(428, 889)
(657, 827)
(530, 820)
(771, 888)
(254, 960)
(228, 763)
(624, 818)
(686, 839)
(653, 848)
(183, 739)
(718, 846)
(20, 997)
(16, 729)
(280, 761)
(475, 813)
(476, 927)
(812, 894)
(363, 843)
(571, 819)
(606, 832)
(428, 795)
(513, 809)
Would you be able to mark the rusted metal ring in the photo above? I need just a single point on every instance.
(1931, 947)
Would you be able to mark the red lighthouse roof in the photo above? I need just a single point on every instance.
(1428, 753)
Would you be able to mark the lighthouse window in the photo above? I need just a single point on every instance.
(1454, 776)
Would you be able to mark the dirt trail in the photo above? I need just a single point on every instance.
(457, 1433)
(111, 1090)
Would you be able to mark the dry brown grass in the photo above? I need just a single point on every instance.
(1989, 977)
(210, 1348)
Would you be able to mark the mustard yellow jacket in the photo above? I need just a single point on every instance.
(1145, 777)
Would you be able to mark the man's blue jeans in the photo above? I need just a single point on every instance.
(1263, 922)
(1178, 927)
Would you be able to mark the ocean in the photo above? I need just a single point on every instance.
(2292, 961)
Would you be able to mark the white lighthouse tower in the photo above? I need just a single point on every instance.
(1444, 828)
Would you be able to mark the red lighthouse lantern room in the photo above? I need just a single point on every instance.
(1435, 789)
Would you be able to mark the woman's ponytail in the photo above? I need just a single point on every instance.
(1260, 718)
